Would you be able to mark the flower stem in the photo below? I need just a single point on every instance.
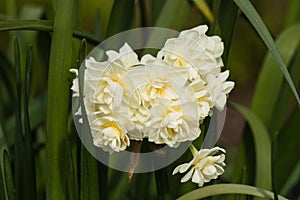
(193, 149)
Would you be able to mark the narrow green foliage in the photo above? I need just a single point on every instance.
(18, 142)
(58, 100)
(7, 176)
(219, 189)
(292, 14)
(120, 18)
(166, 18)
(89, 181)
(162, 184)
(204, 9)
(42, 25)
(227, 18)
(262, 145)
(28, 176)
(3, 146)
(250, 12)
(270, 81)
(156, 7)
(287, 154)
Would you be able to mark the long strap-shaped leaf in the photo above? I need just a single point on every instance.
(58, 100)
(42, 25)
(262, 144)
(265, 35)
(219, 189)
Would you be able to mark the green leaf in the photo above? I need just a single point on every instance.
(89, 178)
(220, 189)
(58, 100)
(204, 9)
(292, 180)
(262, 145)
(3, 146)
(42, 25)
(288, 141)
(120, 18)
(7, 175)
(285, 100)
(162, 183)
(292, 13)
(166, 18)
(156, 7)
(227, 18)
(35, 115)
(29, 179)
(270, 81)
(18, 142)
(265, 35)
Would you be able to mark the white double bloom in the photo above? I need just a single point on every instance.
(205, 166)
(163, 99)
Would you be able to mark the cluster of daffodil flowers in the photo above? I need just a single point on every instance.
(163, 99)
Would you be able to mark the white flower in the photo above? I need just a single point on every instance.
(103, 95)
(126, 56)
(172, 123)
(218, 88)
(202, 97)
(156, 80)
(205, 166)
(193, 48)
(109, 134)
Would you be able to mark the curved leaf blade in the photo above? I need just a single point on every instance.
(219, 189)
(270, 81)
(8, 177)
(262, 147)
(265, 35)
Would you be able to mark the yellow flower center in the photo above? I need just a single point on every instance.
(181, 62)
(114, 126)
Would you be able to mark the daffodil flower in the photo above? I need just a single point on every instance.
(173, 123)
(205, 166)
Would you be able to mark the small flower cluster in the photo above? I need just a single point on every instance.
(162, 98)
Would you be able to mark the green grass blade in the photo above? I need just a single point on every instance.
(120, 18)
(265, 35)
(262, 145)
(42, 25)
(58, 100)
(2, 188)
(162, 184)
(3, 146)
(292, 13)
(227, 19)
(36, 118)
(288, 141)
(29, 183)
(285, 99)
(89, 183)
(220, 189)
(8, 178)
(18, 142)
(156, 7)
(166, 18)
(292, 180)
(270, 81)
(204, 9)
